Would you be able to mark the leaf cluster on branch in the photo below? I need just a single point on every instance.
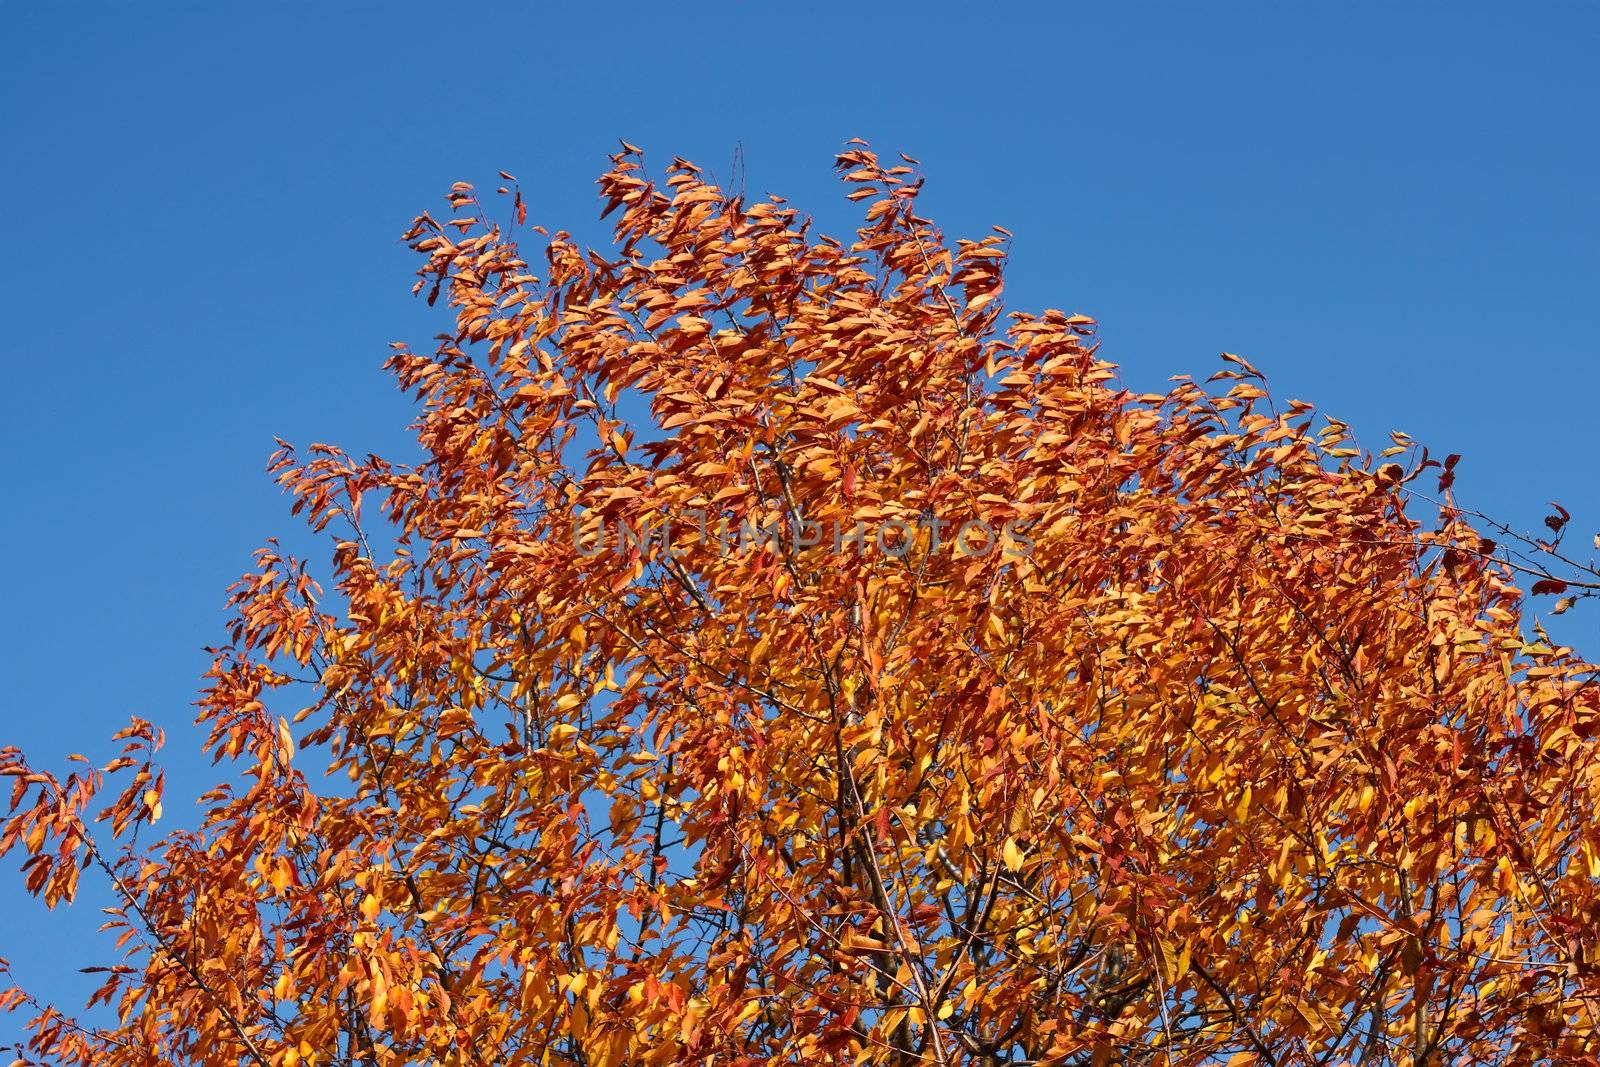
(1231, 759)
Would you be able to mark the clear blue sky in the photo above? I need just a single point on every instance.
(1389, 207)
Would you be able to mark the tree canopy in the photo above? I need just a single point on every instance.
(783, 653)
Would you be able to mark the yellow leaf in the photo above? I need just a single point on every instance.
(982, 300)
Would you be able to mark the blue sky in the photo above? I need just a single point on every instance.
(1389, 208)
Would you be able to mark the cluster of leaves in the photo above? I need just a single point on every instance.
(1237, 763)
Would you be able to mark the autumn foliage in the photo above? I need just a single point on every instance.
(1247, 753)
